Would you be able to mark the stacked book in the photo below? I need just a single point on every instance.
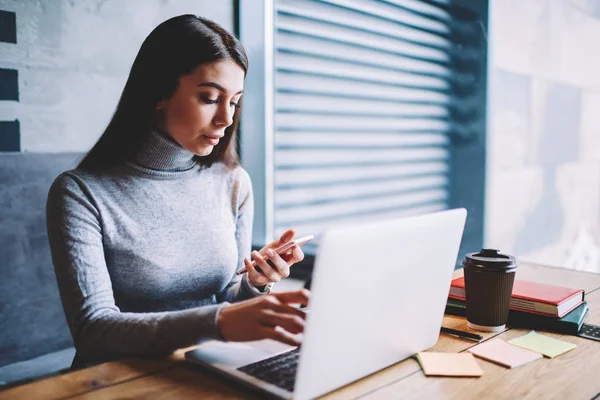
(533, 305)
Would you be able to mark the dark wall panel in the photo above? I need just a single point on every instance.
(10, 136)
(9, 84)
(8, 27)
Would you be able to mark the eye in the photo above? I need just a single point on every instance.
(216, 101)
(208, 100)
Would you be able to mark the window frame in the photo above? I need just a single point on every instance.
(256, 123)
(254, 22)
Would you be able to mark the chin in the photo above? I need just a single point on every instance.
(203, 151)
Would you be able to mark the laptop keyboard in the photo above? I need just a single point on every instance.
(280, 370)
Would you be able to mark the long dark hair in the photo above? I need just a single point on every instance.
(174, 48)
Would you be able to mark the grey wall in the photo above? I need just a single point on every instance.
(543, 197)
(73, 58)
(69, 64)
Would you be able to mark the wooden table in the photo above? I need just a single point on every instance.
(574, 375)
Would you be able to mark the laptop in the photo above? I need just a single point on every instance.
(378, 296)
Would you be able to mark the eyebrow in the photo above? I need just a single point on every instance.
(217, 86)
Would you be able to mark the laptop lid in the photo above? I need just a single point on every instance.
(378, 296)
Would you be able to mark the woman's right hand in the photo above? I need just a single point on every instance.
(258, 318)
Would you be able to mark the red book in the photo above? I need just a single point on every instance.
(533, 297)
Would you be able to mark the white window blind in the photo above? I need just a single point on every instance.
(358, 102)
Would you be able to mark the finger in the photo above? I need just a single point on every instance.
(283, 308)
(279, 263)
(253, 274)
(301, 296)
(291, 323)
(283, 239)
(274, 304)
(296, 255)
(266, 269)
(282, 336)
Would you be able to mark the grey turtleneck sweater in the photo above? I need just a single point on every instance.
(145, 253)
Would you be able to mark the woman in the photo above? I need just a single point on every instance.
(147, 233)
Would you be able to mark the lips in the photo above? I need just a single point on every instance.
(212, 140)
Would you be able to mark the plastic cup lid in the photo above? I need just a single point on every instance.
(490, 258)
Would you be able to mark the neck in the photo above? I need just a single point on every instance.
(160, 152)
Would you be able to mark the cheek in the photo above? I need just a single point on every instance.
(189, 115)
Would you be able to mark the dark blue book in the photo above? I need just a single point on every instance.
(569, 324)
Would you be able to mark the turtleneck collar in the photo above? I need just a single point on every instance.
(160, 152)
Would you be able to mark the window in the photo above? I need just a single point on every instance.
(357, 110)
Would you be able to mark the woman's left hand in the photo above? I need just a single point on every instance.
(278, 266)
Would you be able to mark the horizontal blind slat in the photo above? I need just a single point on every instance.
(326, 140)
(311, 227)
(287, 82)
(342, 70)
(295, 102)
(435, 9)
(431, 32)
(292, 216)
(284, 157)
(310, 176)
(417, 15)
(342, 192)
(322, 31)
(315, 47)
(290, 121)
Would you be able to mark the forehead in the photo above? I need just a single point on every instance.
(223, 72)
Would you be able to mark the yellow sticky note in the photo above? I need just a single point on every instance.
(449, 364)
(545, 345)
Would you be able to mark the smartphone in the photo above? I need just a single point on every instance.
(284, 248)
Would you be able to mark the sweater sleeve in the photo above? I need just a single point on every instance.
(100, 330)
(239, 288)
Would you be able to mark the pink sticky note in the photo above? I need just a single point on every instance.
(500, 352)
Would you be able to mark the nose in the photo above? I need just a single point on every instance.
(224, 115)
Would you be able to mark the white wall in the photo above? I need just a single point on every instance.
(543, 194)
(73, 58)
